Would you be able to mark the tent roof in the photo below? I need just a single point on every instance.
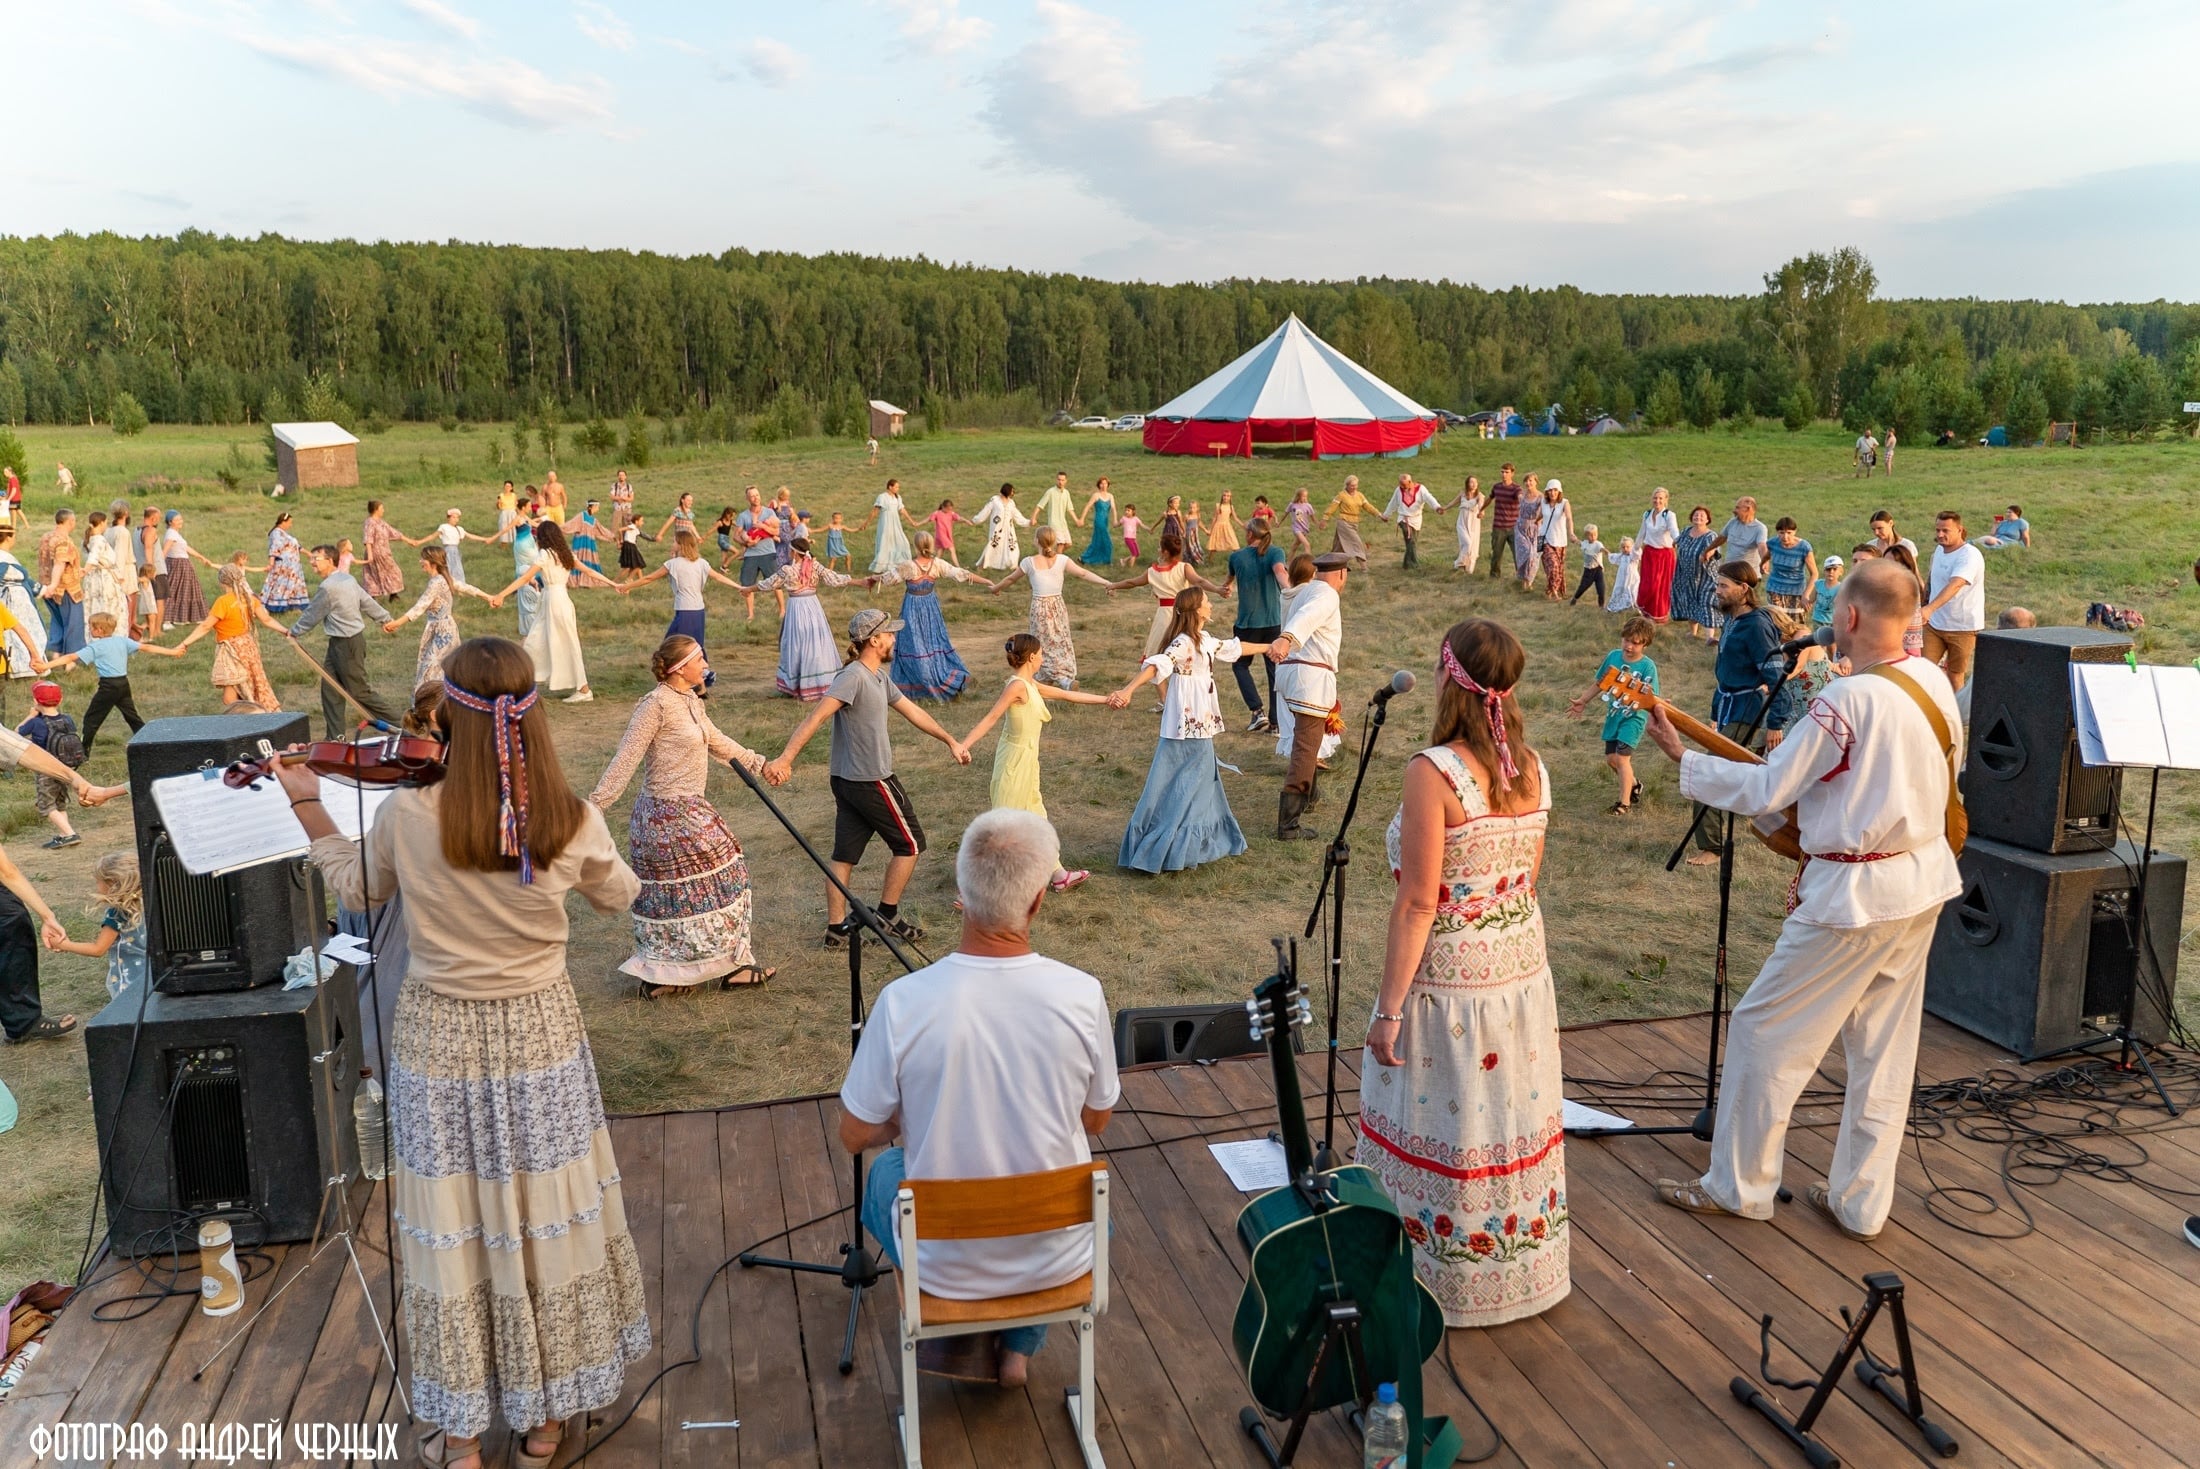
(885, 407)
(311, 435)
(1293, 375)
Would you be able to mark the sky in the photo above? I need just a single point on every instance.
(2012, 149)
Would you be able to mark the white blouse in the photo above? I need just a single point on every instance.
(1189, 708)
(1659, 530)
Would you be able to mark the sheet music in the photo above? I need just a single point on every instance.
(2119, 715)
(216, 829)
(2179, 692)
(1254, 1166)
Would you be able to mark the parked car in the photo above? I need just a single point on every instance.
(1094, 421)
(1448, 418)
(1129, 423)
(1059, 418)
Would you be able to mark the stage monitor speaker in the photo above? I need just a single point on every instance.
(2023, 782)
(1178, 1033)
(2036, 952)
(209, 935)
(236, 1104)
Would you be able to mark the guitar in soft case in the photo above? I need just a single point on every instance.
(1331, 1306)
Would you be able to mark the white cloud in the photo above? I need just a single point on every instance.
(938, 27)
(443, 17)
(771, 63)
(600, 24)
(502, 88)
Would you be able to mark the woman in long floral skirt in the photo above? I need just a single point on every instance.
(283, 589)
(691, 918)
(1459, 1100)
(926, 665)
(186, 599)
(1048, 571)
(380, 576)
(438, 628)
(808, 656)
(523, 1293)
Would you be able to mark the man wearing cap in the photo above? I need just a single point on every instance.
(22, 1013)
(1305, 654)
(868, 799)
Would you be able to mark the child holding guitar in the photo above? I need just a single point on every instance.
(1623, 724)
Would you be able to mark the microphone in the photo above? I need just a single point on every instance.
(1822, 638)
(1401, 682)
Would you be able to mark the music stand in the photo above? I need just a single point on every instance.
(858, 1269)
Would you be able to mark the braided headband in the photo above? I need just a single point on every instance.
(1493, 708)
(505, 713)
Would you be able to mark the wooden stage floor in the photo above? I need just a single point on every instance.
(2073, 1345)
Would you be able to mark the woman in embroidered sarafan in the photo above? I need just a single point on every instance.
(691, 918)
(1460, 1100)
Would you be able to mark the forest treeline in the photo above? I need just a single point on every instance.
(211, 329)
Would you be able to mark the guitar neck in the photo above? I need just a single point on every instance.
(1696, 732)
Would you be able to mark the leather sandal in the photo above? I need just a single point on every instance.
(1821, 1199)
(522, 1455)
(438, 1450)
(1690, 1196)
(757, 973)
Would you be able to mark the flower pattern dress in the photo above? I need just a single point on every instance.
(438, 630)
(283, 589)
(1468, 1135)
(380, 576)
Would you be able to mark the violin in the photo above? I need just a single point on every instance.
(387, 763)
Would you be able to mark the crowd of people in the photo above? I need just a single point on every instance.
(1460, 1107)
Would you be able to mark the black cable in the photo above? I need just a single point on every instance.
(1497, 1439)
(106, 1151)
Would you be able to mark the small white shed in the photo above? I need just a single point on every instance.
(886, 419)
(313, 456)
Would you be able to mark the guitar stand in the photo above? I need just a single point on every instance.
(1882, 1288)
(1340, 1332)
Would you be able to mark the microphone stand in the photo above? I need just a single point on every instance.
(858, 1269)
(1701, 1127)
(1335, 859)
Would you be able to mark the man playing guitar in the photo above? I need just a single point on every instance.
(1869, 767)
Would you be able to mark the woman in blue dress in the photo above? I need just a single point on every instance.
(1100, 510)
(519, 529)
(926, 665)
(1183, 818)
(584, 530)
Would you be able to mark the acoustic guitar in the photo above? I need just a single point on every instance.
(1629, 692)
(1322, 1239)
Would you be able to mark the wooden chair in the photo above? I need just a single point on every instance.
(997, 1208)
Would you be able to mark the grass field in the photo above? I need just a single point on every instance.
(1625, 938)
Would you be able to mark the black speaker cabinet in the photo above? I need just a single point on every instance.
(236, 1104)
(2023, 782)
(205, 934)
(1177, 1033)
(2036, 952)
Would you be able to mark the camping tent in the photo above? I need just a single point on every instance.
(1607, 424)
(1292, 388)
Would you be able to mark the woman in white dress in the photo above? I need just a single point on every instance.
(1000, 517)
(102, 587)
(1049, 614)
(26, 641)
(1469, 527)
(893, 541)
(554, 642)
(126, 568)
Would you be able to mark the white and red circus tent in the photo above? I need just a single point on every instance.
(1293, 388)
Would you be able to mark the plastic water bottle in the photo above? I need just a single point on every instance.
(370, 1124)
(1384, 1438)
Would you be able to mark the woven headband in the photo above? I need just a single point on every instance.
(505, 714)
(1493, 708)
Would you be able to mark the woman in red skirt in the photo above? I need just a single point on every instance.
(1655, 544)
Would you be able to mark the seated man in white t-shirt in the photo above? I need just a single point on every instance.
(994, 1061)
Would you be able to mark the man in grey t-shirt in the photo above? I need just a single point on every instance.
(868, 800)
(1745, 536)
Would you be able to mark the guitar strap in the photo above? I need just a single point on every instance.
(1958, 820)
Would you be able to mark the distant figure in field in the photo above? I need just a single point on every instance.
(2010, 529)
(1886, 451)
(1867, 452)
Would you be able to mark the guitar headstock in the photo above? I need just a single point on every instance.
(1279, 1004)
(1626, 690)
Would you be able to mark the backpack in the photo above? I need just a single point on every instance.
(2117, 619)
(63, 742)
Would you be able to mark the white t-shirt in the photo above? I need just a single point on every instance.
(450, 535)
(688, 579)
(989, 1063)
(1966, 610)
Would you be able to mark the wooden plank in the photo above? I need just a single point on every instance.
(136, 1356)
(765, 1353)
(639, 1145)
(76, 1344)
(22, 1414)
(694, 1246)
(853, 1413)
(271, 1365)
(1534, 1429)
(2005, 1400)
(344, 1375)
(171, 1397)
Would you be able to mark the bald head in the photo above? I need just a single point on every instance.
(1882, 593)
(2016, 617)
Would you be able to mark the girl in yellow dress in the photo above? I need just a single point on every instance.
(1022, 705)
(1222, 530)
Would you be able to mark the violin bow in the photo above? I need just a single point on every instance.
(330, 679)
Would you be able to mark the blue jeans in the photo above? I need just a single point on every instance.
(879, 1187)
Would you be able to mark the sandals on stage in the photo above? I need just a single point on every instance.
(1821, 1199)
(757, 973)
(436, 1450)
(1690, 1196)
(522, 1455)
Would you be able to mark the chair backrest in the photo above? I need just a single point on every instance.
(994, 1208)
